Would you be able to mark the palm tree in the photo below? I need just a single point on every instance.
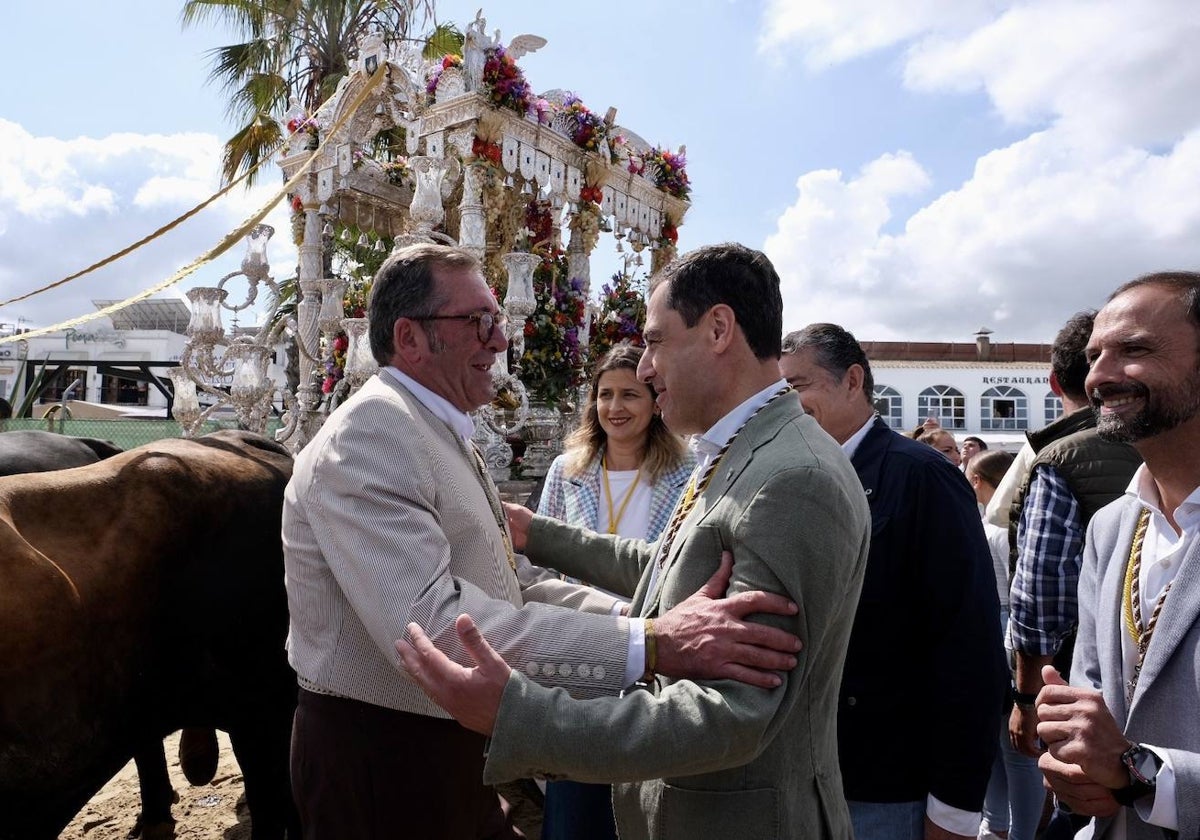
(297, 48)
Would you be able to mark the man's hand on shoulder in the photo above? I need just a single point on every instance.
(707, 637)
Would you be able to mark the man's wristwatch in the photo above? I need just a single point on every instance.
(1143, 766)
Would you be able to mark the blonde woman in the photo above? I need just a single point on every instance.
(621, 472)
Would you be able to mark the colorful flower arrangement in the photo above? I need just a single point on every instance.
(354, 302)
(552, 365)
(308, 125)
(621, 316)
(486, 152)
(585, 128)
(397, 171)
(669, 235)
(506, 82)
(668, 170)
(431, 83)
(592, 194)
(308, 128)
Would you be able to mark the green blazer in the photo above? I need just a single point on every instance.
(716, 759)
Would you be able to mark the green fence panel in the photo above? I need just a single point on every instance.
(126, 434)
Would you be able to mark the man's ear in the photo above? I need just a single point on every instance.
(852, 380)
(1055, 388)
(721, 326)
(408, 342)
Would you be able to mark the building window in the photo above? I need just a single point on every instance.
(58, 384)
(890, 406)
(1003, 409)
(121, 391)
(1054, 407)
(946, 404)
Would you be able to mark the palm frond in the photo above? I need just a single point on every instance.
(445, 39)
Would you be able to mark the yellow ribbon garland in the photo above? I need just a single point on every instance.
(221, 247)
(123, 252)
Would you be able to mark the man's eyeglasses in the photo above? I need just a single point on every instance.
(485, 322)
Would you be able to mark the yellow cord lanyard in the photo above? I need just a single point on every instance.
(614, 521)
(1132, 602)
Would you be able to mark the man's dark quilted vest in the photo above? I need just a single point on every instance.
(1096, 470)
(1065, 426)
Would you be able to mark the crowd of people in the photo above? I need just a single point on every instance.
(802, 625)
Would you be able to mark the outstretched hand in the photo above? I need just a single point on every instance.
(707, 637)
(470, 695)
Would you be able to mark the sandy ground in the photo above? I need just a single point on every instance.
(214, 812)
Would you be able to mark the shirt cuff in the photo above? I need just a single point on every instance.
(1161, 809)
(952, 819)
(635, 663)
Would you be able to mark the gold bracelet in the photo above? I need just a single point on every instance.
(651, 651)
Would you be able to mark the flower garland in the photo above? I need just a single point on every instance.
(397, 171)
(506, 82)
(486, 152)
(668, 170)
(431, 83)
(585, 128)
(553, 360)
(621, 316)
(305, 127)
(354, 302)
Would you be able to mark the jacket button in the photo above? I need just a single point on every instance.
(851, 701)
(598, 672)
(585, 671)
(531, 668)
(564, 670)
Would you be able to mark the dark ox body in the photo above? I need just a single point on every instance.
(140, 595)
(34, 451)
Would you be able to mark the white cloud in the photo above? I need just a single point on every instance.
(833, 31)
(1102, 190)
(1042, 229)
(65, 204)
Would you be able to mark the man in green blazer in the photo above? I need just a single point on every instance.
(721, 758)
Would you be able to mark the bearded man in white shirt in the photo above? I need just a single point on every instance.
(1123, 739)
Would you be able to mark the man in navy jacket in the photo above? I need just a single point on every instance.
(925, 681)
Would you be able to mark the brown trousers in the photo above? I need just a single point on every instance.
(363, 772)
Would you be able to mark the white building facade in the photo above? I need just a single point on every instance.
(995, 393)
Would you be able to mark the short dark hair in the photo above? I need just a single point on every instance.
(978, 441)
(739, 277)
(404, 287)
(1186, 283)
(1068, 354)
(835, 350)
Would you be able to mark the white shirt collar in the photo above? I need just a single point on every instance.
(851, 444)
(438, 406)
(710, 442)
(1143, 488)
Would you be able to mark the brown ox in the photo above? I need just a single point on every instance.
(140, 595)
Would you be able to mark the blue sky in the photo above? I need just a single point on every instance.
(915, 170)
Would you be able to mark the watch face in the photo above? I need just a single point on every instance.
(1142, 763)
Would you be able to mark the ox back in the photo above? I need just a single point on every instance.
(30, 451)
(139, 595)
